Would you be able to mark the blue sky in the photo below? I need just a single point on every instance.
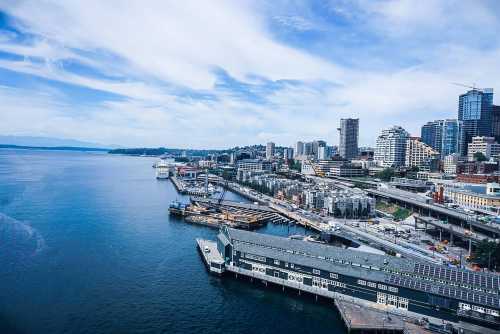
(224, 73)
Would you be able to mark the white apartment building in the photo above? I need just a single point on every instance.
(450, 163)
(486, 145)
(390, 150)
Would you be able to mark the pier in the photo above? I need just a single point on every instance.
(359, 319)
(182, 189)
(260, 214)
(211, 256)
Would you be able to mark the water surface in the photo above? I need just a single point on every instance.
(87, 246)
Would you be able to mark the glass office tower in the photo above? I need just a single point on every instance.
(475, 111)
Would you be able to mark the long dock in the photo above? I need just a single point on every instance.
(360, 319)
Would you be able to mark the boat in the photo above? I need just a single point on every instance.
(162, 170)
(177, 208)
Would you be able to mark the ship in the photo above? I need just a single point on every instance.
(162, 170)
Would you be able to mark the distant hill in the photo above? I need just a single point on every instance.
(54, 148)
(164, 151)
(48, 142)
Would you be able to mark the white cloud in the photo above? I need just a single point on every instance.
(172, 41)
(169, 46)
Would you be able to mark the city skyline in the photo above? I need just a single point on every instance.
(285, 71)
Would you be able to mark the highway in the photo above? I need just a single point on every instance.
(462, 217)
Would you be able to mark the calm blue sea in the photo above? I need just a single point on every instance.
(87, 246)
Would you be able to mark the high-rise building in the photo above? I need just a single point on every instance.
(442, 135)
(475, 111)
(495, 130)
(418, 154)
(431, 134)
(270, 150)
(308, 149)
(288, 153)
(299, 149)
(451, 134)
(324, 153)
(390, 149)
(315, 147)
(349, 133)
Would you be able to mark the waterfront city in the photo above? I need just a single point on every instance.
(250, 167)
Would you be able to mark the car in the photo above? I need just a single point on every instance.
(207, 250)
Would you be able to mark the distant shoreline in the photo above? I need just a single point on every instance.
(55, 148)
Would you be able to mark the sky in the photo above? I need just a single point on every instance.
(218, 74)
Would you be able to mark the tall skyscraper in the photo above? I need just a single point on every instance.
(308, 149)
(324, 153)
(349, 133)
(315, 147)
(451, 134)
(288, 153)
(442, 135)
(475, 111)
(299, 149)
(431, 134)
(495, 130)
(390, 150)
(269, 150)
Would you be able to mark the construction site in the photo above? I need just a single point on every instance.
(214, 212)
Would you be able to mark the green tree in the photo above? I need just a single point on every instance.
(479, 156)
(487, 254)
(295, 165)
(386, 174)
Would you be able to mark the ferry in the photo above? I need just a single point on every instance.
(162, 170)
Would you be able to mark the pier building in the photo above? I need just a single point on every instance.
(466, 299)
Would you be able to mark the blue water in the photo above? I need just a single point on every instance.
(87, 246)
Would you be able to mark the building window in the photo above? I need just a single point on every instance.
(392, 289)
(403, 303)
(381, 298)
(361, 282)
(392, 300)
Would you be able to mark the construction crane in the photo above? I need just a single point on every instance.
(223, 193)
(467, 86)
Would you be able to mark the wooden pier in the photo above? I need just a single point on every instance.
(359, 319)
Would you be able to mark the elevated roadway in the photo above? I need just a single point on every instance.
(436, 211)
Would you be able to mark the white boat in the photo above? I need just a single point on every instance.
(162, 170)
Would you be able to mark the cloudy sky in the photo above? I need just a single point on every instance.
(214, 74)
